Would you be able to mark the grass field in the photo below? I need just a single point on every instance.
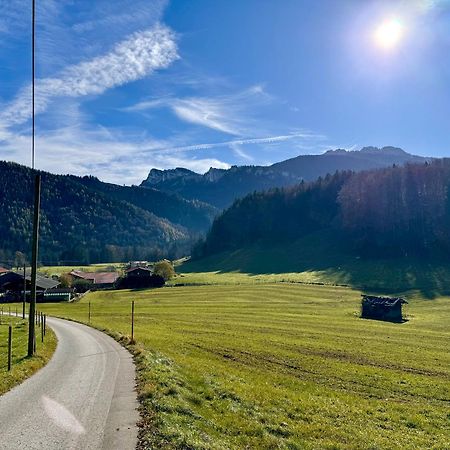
(22, 367)
(321, 258)
(264, 365)
(58, 270)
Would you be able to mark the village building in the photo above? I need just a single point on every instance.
(138, 271)
(12, 285)
(134, 264)
(58, 295)
(139, 278)
(382, 308)
(98, 280)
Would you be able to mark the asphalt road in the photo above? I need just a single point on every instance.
(84, 398)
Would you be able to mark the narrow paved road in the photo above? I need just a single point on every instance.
(84, 398)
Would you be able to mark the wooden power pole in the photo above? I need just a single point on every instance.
(34, 257)
(24, 299)
(37, 197)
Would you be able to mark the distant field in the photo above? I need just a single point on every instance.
(292, 366)
(320, 258)
(22, 367)
(58, 270)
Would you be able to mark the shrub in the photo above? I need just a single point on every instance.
(164, 269)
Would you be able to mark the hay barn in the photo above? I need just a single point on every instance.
(382, 308)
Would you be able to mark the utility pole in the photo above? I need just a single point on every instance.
(37, 197)
(24, 300)
(34, 257)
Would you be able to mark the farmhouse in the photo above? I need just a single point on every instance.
(140, 272)
(12, 283)
(382, 308)
(99, 280)
(140, 277)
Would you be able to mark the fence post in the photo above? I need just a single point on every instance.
(89, 314)
(9, 347)
(45, 323)
(132, 321)
(42, 329)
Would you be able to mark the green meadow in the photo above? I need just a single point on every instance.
(262, 365)
(21, 367)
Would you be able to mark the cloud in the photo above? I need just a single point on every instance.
(110, 154)
(236, 142)
(134, 58)
(229, 114)
(200, 165)
(240, 153)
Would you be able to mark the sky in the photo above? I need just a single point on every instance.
(130, 85)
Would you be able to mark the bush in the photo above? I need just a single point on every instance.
(66, 280)
(81, 285)
(164, 269)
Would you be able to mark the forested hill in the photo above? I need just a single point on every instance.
(392, 211)
(85, 220)
(221, 187)
(192, 214)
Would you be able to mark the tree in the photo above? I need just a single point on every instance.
(164, 269)
(19, 259)
(81, 285)
(66, 280)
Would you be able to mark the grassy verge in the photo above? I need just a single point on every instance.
(22, 367)
(280, 366)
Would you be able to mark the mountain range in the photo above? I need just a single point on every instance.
(86, 220)
(220, 187)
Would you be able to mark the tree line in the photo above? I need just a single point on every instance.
(82, 224)
(391, 211)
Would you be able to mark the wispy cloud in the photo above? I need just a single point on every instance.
(134, 58)
(251, 141)
(109, 154)
(229, 114)
(239, 152)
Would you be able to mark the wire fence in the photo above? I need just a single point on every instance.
(14, 335)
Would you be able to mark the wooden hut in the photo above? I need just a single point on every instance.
(382, 308)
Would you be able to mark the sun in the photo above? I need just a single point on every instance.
(389, 34)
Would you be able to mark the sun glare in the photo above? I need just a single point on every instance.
(389, 34)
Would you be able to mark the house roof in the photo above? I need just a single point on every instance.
(96, 277)
(41, 281)
(3, 270)
(386, 301)
(84, 275)
(105, 277)
(44, 282)
(132, 269)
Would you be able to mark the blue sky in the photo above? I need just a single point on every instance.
(125, 86)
